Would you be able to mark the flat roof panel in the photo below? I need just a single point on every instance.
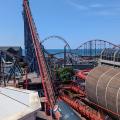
(16, 103)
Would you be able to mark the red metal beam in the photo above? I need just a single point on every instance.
(44, 75)
(99, 107)
(76, 89)
(82, 109)
(82, 74)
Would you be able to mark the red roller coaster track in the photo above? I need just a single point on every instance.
(83, 110)
(46, 79)
(76, 89)
(82, 74)
(44, 75)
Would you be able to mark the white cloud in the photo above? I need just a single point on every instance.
(97, 5)
(81, 7)
(95, 8)
(78, 6)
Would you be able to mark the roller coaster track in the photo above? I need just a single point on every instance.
(98, 40)
(56, 37)
(91, 48)
(39, 54)
(68, 55)
(82, 74)
(94, 47)
(42, 66)
(74, 88)
(82, 109)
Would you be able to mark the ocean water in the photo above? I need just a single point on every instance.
(81, 52)
(56, 52)
(60, 52)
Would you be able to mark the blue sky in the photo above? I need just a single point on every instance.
(75, 20)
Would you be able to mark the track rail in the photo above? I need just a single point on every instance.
(96, 41)
(82, 74)
(56, 37)
(44, 74)
(75, 88)
(83, 110)
(94, 47)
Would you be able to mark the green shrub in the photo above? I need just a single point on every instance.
(65, 74)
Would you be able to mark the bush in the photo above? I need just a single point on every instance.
(65, 74)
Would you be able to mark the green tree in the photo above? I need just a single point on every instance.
(65, 74)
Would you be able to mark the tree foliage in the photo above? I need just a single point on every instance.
(65, 74)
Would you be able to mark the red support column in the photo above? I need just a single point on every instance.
(26, 78)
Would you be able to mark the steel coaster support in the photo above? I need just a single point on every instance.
(44, 74)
